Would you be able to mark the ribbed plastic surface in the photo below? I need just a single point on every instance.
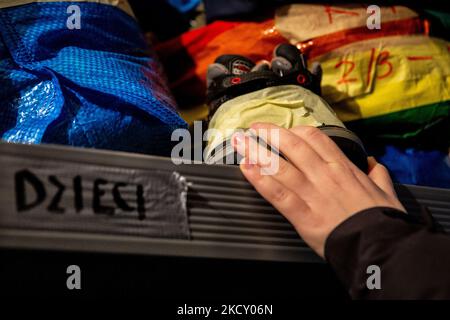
(227, 218)
(224, 207)
(228, 209)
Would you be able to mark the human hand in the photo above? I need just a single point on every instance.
(318, 188)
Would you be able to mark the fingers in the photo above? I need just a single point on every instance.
(251, 150)
(321, 143)
(332, 154)
(283, 199)
(380, 176)
(294, 148)
(271, 164)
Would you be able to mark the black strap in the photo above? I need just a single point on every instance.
(227, 87)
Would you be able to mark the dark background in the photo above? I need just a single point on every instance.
(43, 274)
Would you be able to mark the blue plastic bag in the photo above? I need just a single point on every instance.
(418, 167)
(94, 87)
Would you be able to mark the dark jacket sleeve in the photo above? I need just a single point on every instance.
(413, 258)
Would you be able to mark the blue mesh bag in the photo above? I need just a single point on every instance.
(98, 86)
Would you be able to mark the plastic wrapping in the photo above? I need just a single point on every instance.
(318, 29)
(286, 106)
(388, 85)
(307, 26)
(97, 86)
(362, 67)
(302, 22)
(197, 49)
(402, 81)
(417, 166)
(283, 92)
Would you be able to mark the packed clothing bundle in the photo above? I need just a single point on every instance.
(93, 85)
(99, 85)
(389, 85)
(282, 91)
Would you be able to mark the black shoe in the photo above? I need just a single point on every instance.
(231, 76)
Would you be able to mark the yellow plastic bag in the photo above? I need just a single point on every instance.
(381, 76)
